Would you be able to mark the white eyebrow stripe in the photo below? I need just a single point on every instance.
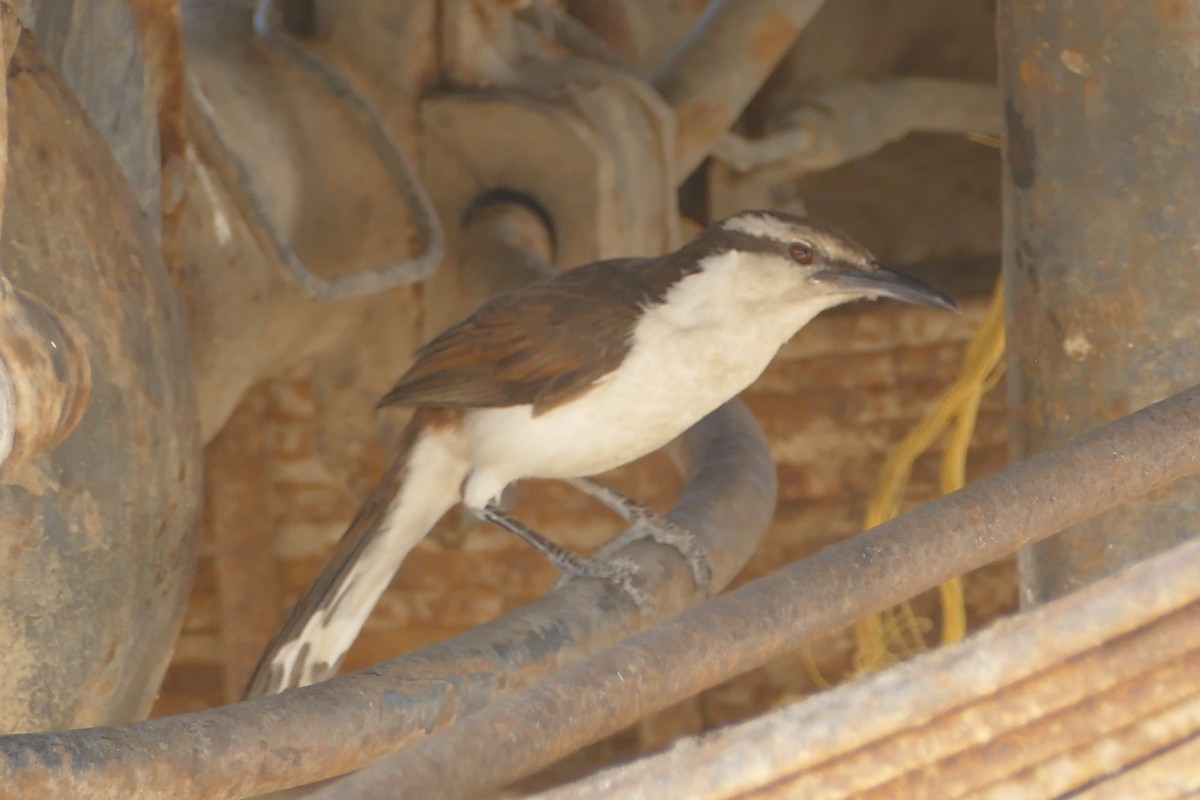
(830, 243)
(761, 226)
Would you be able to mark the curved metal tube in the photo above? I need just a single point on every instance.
(330, 728)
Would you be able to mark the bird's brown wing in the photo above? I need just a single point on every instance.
(542, 344)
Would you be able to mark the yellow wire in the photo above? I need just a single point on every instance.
(956, 411)
(814, 670)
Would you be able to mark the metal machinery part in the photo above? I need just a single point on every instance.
(1100, 261)
(587, 143)
(99, 459)
(45, 378)
(279, 253)
(312, 125)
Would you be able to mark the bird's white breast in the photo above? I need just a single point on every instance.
(710, 339)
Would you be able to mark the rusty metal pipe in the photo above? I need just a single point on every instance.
(721, 64)
(1040, 704)
(1101, 268)
(817, 596)
(330, 728)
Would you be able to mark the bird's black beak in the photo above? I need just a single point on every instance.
(882, 281)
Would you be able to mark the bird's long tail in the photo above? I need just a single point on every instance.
(421, 485)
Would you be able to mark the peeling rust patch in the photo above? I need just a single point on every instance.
(1170, 11)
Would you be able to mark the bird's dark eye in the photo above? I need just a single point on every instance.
(802, 252)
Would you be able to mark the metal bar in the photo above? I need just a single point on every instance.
(746, 628)
(1170, 772)
(330, 728)
(1037, 705)
(721, 64)
(1102, 216)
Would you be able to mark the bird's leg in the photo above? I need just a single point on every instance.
(572, 565)
(647, 524)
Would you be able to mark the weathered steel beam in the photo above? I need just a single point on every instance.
(1102, 272)
(819, 595)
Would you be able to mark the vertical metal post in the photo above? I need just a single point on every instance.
(1101, 248)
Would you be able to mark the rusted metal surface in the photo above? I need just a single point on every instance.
(585, 702)
(587, 143)
(1045, 704)
(267, 199)
(1102, 213)
(324, 93)
(1169, 773)
(722, 63)
(45, 378)
(504, 244)
(342, 724)
(307, 163)
(610, 21)
(95, 47)
(97, 533)
(299, 17)
(161, 30)
(10, 32)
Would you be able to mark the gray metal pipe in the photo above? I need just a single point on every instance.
(1102, 271)
(721, 65)
(816, 596)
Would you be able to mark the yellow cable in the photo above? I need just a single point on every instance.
(957, 411)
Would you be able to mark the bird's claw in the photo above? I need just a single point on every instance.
(667, 533)
(621, 572)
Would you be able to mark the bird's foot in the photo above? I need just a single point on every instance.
(619, 571)
(647, 524)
